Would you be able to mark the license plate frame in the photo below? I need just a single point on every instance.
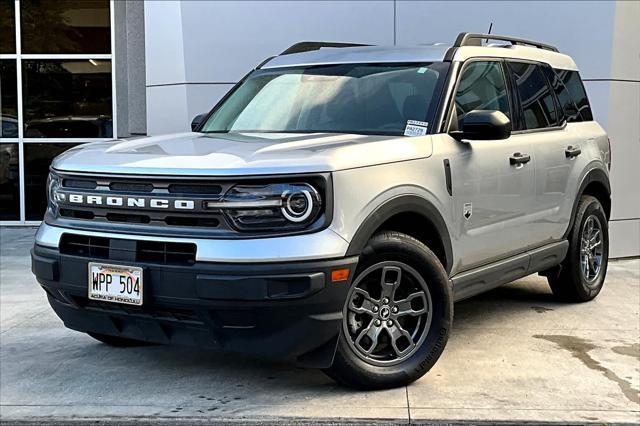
(101, 291)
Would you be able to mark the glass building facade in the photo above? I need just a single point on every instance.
(56, 91)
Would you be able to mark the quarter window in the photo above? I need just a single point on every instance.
(482, 87)
(536, 99)
(572, 80)
(568, 109)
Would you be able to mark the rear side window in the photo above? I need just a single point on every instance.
(568, 109)
(536, 99)
(482, 87)
(572, 81)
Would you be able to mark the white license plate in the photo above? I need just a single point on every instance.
(114, 283)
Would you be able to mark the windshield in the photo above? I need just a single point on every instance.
(345, 98)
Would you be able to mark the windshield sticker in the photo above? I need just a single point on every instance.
(416, 128)
(422, 70)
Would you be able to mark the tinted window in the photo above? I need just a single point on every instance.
(8, 99)
(536, 99)
(572, 81)
(67, 98)
(9, 181)
(65, 26)
(37, 159)
(568, 109)
(7, 27)
(482, 87)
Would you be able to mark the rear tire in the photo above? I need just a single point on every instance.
(583, 271)
(401, 297)
(118, 342)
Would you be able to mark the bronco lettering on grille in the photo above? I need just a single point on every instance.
(133, 202)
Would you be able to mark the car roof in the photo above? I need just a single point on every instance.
(361, 54)
(417, 54)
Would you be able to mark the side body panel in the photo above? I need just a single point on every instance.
(492, 199)
(360, 193)
(559, 175)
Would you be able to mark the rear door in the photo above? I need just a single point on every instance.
(555, 148)
(492, 194)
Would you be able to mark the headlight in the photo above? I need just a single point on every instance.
(269, 207)
(53, 183)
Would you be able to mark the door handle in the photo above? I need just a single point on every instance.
(572, 151)
(519, 158)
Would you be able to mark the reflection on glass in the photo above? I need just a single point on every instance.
(9, 182)
(65, 26)
(536, 98)
(8, 99)
(37, 159)
(7, 27)
(67, 98)
(482, 87)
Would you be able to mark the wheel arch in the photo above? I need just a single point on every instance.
(595, 183)
(412, 215)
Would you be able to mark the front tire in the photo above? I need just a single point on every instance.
(397, 315)
(583, 271)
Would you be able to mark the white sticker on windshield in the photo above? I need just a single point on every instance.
(416, 128)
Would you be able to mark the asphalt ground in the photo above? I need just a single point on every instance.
(515, 356)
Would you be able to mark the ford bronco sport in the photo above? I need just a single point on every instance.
(332, 207)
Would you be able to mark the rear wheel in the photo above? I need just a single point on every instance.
(397, 315)
(583, 271)
(120, 342)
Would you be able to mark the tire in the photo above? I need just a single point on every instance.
(571, 284)
(398, 261)
(118, 342)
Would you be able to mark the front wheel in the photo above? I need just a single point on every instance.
(397, 315)
(583, 271)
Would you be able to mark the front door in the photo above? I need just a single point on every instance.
(492, 181)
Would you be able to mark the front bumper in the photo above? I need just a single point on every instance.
(290, 311)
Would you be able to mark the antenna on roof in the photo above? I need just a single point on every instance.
(489, 32)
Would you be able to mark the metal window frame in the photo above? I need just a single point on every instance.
(18, 57)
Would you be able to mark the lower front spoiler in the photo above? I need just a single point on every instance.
(187, 305)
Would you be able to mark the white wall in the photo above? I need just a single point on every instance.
(196, 51)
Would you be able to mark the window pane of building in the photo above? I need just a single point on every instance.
(37, 159)
(8, 99)
(67, 98)
(9, 182)
(7, 27)
(65, 26)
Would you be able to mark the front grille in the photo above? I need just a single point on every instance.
(85, 246)
(167, 253)
(164, 189)
(131, 187)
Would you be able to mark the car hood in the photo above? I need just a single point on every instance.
(240, 153)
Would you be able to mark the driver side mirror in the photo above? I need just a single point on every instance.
(197, 121)
(483, 125)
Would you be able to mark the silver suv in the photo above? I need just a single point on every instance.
(332, 207)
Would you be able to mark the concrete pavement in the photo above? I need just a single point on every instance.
(514, 355)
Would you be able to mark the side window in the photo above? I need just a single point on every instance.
(572, 81)
(482, 87)
(568, 109)
(536, 99)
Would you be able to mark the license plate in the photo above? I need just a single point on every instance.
(114, 283)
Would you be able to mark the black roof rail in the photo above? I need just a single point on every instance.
(308, 46)
(475, 39)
